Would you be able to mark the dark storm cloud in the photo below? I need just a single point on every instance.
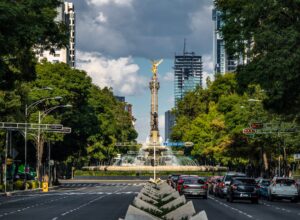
(143, 28)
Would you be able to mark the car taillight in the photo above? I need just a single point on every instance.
(185, 186)
(234, 187)
(204, 187)
(222, 185)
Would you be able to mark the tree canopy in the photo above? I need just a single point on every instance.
(213, 119)
(24, 25)
(265, 34)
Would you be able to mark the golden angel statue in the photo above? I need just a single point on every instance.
(155, 64)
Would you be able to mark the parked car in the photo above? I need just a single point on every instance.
(181, 180)
(173, 180)
(223, 186)
(212, 181)
(194, 186)
(242, 188)
(263, 188)
(283, 188)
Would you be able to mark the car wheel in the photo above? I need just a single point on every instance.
(294, 200)
(270, 198)
(230, 198)
(254, 201)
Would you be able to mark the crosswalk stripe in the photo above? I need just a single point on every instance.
(100, 184)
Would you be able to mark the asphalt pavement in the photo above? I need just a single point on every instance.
(109, 200)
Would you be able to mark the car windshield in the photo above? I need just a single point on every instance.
(194, 181)
(244, 181)
(175, 177)
(265, 182)
(229, 177)
(285, 182)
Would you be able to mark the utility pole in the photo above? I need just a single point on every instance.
(38, 150)
(49, 157)
(5, 162)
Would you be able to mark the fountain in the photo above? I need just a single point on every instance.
(153, 155)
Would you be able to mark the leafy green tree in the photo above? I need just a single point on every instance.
(266, 34)
(97, 119)
(24, 25)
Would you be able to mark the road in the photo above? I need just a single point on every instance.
(109, 200)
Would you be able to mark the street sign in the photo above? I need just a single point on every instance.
(248, 131)
(174, 144)
(257, 125)
(188, 144)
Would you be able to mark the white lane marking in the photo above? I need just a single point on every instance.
(91, 201)
(54, 218)
(276, 207)
(232, 208)
(33, 206)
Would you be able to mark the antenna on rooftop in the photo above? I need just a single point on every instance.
(184, 46)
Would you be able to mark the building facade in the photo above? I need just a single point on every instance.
(188, 74)
(169, 123)
(66, 14)
(223, 62)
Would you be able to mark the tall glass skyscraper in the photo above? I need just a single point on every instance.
(223, 62)
(188, 73)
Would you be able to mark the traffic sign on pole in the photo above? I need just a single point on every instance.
(248, 131)
(257, 125)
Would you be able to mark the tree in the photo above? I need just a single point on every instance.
(266, 33)
(23, 26)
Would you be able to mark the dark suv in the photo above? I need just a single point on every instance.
(223, 186)
(242, 188)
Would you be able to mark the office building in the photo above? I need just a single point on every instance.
(120, 98)
(188, 73)
(223, 62)
(66, 14)
(127, 107)
(169, 123)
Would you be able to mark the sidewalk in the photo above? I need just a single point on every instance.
(24, 192)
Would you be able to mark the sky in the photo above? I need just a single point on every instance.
(116, 39)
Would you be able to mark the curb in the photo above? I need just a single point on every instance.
(23, 192)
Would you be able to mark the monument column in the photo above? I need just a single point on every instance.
(154, 87)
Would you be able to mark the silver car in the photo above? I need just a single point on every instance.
(195, 186)
(283, 188)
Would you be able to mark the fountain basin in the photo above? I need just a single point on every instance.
(158, 168)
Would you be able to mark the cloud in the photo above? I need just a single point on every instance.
(208, 67)
(121, 74)
(106, 2)
(146, 29)
(101, 18)
(161, 124)
(168, 77)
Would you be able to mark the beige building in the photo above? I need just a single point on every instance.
(66, 14)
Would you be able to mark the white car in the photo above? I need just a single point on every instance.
(283, 188)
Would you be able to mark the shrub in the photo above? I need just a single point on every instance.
(19, 185)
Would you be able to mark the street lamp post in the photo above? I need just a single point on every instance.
(27, 107)
(41, 117)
